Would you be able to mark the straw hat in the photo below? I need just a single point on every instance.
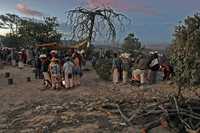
(155, 52)
(151, 52)
(125, 55)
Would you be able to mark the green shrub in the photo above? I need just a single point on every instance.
(103, 68)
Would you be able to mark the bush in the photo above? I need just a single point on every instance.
(185, 52)
(103, 68)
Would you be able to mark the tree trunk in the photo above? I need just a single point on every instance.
(91, 29)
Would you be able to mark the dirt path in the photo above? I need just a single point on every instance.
(27, 109)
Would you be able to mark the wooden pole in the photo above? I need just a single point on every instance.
(7, 75)
(28, 79)
(10, 81)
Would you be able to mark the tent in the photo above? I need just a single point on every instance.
(79, 45)
(52, 45)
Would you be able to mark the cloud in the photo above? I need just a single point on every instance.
(24, 9)
(124, 6)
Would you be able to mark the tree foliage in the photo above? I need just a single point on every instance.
(27, 32)
(88, 23)
(131, 43)
(185, 51)
(10, 21)
(32, 32)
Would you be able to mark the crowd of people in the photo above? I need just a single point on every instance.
(14, 57)
(57, 73)
(66, 71)
(143, 69)
(56, 70)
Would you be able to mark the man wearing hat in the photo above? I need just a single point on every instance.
(55, 71)
(154, 67)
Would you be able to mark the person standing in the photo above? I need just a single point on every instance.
(24, 56)
(154, 67)
(125, 68)
(44, 69)
(140, 71)
(77, 69)
(20, 62)
(37, 67)
(115, 68)
(55, 71)
(68, 73)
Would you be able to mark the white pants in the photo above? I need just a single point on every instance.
(20, 64)
(125, 76)
(115, 76)
(68, 81)
(141, 73)
(13, 62)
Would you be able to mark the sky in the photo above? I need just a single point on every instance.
(153, 21)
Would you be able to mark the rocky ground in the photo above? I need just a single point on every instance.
(27, 109)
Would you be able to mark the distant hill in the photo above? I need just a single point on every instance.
(157, 46)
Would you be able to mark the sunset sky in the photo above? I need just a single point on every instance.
(153, 21)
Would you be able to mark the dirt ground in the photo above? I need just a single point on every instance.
(27, 109)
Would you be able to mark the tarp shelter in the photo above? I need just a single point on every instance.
(80, 45)
(53, 45)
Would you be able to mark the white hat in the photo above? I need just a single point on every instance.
(151, 52)
(43, 56)
(125, 55)
(82, 51)
(54, 51)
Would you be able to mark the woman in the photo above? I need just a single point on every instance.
(55, 71)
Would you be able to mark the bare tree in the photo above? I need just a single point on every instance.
(87, 23)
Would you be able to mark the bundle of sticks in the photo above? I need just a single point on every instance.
(180, 113)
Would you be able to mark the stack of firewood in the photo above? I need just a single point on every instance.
(179, 113)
